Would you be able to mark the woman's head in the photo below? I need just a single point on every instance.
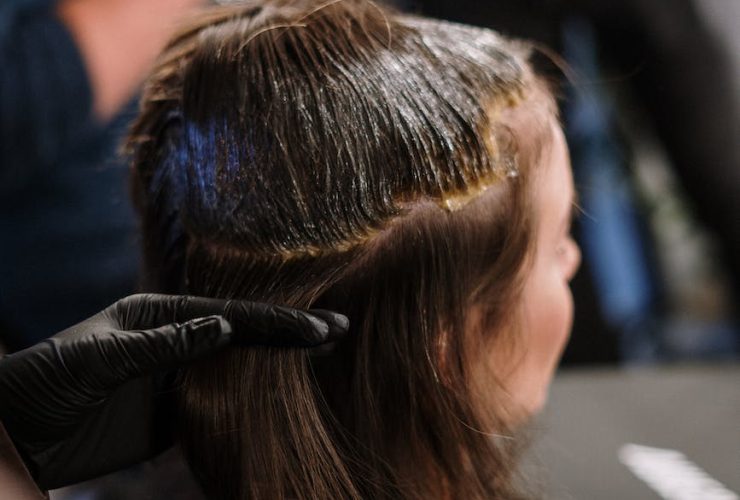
(391, 168)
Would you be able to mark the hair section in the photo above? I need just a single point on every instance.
(344, 156)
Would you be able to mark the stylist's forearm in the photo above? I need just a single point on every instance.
(119, 40)
(15, 481)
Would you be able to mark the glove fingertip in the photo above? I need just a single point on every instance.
(338, 323)
(295, 328)
(319, 329)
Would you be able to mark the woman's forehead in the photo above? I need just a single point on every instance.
(553, 182)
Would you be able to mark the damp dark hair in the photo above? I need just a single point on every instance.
(341, 155)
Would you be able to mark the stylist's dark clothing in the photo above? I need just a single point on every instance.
(67, 246)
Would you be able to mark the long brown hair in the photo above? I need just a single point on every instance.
(341, 155)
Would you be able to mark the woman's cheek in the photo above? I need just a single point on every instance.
(560, 318)
(548, 320)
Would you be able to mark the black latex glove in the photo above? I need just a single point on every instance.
(99, 396)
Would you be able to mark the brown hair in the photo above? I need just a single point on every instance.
(347, 157)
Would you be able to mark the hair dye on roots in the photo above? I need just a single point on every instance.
(344, 156)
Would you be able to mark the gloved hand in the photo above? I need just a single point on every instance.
(99, 396)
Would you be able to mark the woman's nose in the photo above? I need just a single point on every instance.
(573, 258)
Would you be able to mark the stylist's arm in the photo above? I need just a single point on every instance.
(99, 396)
